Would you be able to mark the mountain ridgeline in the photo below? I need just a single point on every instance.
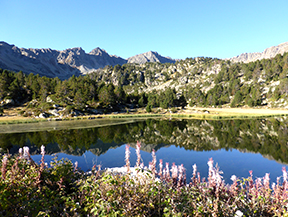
(196, 81)
(63, 64)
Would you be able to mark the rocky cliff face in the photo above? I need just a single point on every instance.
(54, 63)
(64, 64)
(150, 57)
(266, 54)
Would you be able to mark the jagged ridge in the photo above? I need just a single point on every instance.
(266, 54)
(64, 64)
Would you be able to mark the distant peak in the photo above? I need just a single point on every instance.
(6, 44)
(97, 51)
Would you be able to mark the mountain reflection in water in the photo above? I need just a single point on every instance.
(236, 145)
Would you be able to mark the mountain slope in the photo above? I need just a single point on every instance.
(54, 63)
(266, 54)
(64, 64)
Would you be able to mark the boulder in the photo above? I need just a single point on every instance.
(48, 99)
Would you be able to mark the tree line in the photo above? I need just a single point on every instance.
(236, 84)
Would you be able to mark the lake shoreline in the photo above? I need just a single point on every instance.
(191, 112)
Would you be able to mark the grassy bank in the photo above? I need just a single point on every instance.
(197, 113)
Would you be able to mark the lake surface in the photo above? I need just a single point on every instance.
(236, 145)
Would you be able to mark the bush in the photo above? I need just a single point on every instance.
(149, 108)
(28, 189)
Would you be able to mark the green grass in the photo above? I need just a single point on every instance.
(222, 116)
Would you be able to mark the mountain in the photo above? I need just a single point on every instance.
(266, 54)
(150, 57)
(64, 64)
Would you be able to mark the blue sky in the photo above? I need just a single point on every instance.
(179, 29)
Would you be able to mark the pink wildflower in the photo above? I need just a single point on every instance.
(210, 164)
(182, 176)
(167, 174)
(153, 163)
(4, 164)
(42, 150)
(138, 147)
(150, 166)
(266, 180)
(127, 156)
(26, 154)
(43, 154)
(273, 186)
(160, 167)
(194, 170)
(233, 178)
(284, 174)
(174, 171)
(218, 179)
(20, 152)
(154, 157)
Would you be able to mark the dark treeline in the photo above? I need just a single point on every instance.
(265, 136)
(76, 93)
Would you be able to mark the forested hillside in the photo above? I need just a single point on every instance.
(200, 81)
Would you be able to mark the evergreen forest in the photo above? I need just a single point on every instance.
(201, 82)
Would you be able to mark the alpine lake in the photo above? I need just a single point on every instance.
(236, 145)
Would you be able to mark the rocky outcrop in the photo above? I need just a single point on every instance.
(64, 64)
(266, 54)
(150, 57)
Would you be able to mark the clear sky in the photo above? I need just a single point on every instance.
(179, 29)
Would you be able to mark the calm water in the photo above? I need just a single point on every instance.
(236, 145)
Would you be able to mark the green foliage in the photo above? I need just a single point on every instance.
(109, 87)
(149, 108)
(28, 189)
(237, 99)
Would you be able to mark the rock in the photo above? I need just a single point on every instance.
(150, 57)
(54, 112)
(266, 54)
(183, 80)
(48, 99)
(8, 102)
(44, 115)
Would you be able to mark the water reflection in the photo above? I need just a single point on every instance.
(180, 141)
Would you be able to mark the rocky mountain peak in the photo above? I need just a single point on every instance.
(266, 54)
(98, 52)
(150, 56)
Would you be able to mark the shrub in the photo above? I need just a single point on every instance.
(28, 189)
(149, 108)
